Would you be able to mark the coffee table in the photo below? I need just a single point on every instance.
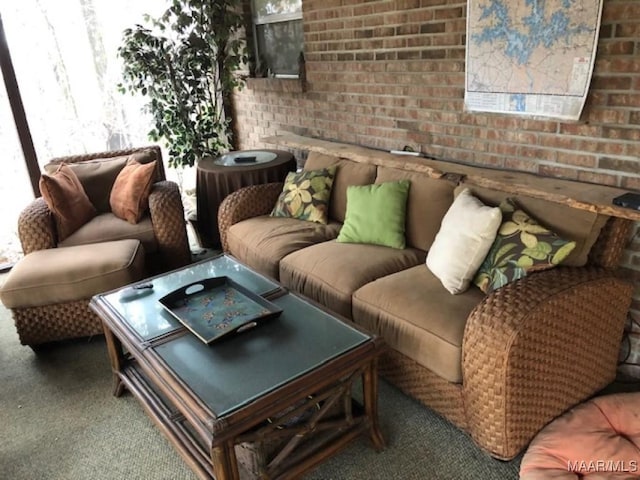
(271, 402)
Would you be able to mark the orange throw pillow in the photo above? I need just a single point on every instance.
(130, 193)
(66, 198)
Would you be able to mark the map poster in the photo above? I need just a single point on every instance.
(530, 57)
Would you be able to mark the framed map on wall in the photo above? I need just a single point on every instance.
(530, 57)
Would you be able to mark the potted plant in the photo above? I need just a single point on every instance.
(185, 63)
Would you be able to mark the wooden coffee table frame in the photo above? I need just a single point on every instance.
(207, 443)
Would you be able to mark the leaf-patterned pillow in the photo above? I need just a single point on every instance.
(305, 195)
(521, 246)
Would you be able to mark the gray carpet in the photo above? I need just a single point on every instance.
(58, 420)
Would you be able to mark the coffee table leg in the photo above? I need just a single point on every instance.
(116, 357)
(370, 394)
(225, 465)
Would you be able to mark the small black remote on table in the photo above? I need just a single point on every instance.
(628, 200)
(245, 159)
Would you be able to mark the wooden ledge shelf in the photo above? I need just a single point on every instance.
(584, 196)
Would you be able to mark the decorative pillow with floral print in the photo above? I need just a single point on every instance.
(521, 246)
(305, 195)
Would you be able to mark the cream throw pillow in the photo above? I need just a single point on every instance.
(466, 234)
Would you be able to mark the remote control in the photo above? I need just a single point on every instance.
(246, 159)
(628, 200)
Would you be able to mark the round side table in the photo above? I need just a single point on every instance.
(218, 177)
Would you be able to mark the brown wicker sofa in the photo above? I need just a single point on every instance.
(499, 366)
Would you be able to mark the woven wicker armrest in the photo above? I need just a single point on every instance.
(36, 227)
(536, 347)
(246, 203)
(169, 224)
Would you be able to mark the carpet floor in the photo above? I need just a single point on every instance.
(59, 421)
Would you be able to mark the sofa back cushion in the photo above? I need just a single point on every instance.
(347, 173)
(428, 201)
(581, 226)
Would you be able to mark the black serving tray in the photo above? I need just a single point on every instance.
(216, 307)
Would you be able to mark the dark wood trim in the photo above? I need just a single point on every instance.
(19, 115)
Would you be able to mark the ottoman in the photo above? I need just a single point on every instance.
(48, 291)
(599, 439)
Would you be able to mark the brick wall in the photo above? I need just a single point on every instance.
(389, 73)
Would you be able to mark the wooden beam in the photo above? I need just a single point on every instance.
(580, 195)
(19, 115)
(354, 152)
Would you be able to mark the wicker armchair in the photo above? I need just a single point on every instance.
(169, 247)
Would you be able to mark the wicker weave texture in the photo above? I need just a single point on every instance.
(425, 386)
(36, 228)
(169, 224)
(535, 347)
(248, 202)
(49, 323)
(613, 239)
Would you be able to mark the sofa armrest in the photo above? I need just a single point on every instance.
(248, 202)
(536, 347)
(36, 228)
(169, 224)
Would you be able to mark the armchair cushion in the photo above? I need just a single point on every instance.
(68, 201)
(98, 175)
(107, 227)
(129, 197)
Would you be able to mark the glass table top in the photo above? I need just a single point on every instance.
(149, 319)
(233, 371)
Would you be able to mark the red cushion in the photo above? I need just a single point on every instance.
(130, 193)
(599, 439)
(67, 200)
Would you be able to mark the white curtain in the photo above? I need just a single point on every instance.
(64, 53)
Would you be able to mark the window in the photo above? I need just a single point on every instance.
(278, 36)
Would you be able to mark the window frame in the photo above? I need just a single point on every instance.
(257, 20)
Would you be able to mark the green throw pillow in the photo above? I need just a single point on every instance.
(305, 195)
(376, 214)
(521, 246)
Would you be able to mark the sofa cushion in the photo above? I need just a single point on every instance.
(60, 275)
(428, 201)
(107, 227)
(581, 226)
(67, 200)
(347, 173)
(466, 234)
(521, 246)
(261, 242)
(376, 214)
(305, 195)
(97, 176)
(330, 272)
(417, 316)
(129, 198)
